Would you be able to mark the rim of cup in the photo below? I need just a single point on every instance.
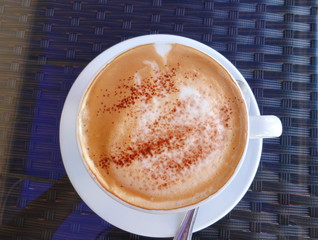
(98, 64)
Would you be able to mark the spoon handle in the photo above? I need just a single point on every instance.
(185, 230)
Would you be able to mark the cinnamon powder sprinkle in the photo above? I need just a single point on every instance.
(173, 144)
(150, 87)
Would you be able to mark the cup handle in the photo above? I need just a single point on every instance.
(266, 126)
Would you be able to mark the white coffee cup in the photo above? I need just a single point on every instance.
(258, 126)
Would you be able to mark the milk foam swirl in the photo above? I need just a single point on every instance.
(173, 139)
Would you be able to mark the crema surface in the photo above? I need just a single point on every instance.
(162, 126)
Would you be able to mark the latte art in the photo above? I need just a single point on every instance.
(162, 126)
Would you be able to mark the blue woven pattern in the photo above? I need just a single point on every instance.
(47, 43)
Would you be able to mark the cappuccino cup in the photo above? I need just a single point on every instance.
(163, 126)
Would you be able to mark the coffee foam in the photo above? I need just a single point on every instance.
(191, 120)
(166, 132)
(163, 49)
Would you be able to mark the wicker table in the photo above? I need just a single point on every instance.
(44, 45)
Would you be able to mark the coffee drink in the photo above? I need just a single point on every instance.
(162, 126)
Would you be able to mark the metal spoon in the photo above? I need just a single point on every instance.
(185, 230)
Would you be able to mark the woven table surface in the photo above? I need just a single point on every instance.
(44, 45)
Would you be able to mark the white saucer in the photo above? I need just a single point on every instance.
(128, 219)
